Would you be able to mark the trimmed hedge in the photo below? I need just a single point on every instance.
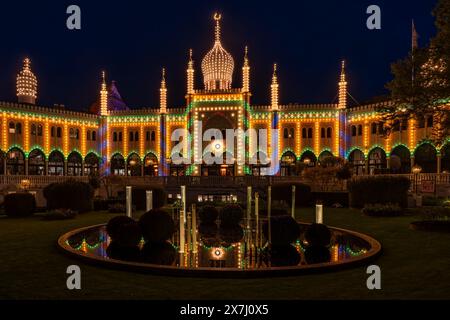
(208, 214)
(139, 197)
(283, 192)
(284, 230)
(379, 190)
(318, 235)
(21, 204)
(382, 210)
(231, 215)
(114, 225)
(157, 226)
(71, 194)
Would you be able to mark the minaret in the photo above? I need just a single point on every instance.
(103, 96)
(274, 89)
(343, 88)
(190, 74)
(246, 73)
(26, 84)
(341, 136)
(163, 94)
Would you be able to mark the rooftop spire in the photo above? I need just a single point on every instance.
(343, 71)
(217, 18)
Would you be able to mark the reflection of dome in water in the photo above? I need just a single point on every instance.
(218, 64)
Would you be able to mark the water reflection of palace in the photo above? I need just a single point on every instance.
(39, 140)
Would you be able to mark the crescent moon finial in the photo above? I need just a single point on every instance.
(217, 16)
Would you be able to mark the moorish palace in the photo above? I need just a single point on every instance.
(38, 140)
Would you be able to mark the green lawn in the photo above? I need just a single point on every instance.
(415, 265)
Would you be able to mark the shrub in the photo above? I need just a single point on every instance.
(157, 226)
(435, 213)
(19, 204)
(128, 234)
(318, 235)
(432, 201)
(382, 210)
(284, 256)
(232, 234)
(60, 214)
(114, 225)
(162, 253)
(207, 230)
(139, 197)
(283, 192)
(231, 215)
(71, 194)
(379, 189)
(208, 214)
(317, 255)
(285, 230)
(116, 251)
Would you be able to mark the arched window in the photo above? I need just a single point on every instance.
(360, 130)
(147, 136)
(404, 125)
(430, 122)
(33, 129)
(374, 128)
(153, 136)
(329, 132)
(131, 136)
(12, 127)
(136, 136)
(58, 132)
(322, 133)
(421, 122)
(94, 135)
(18, 128)
(285, 133)
(353, 131)
(292, 133)
(115, 136)
(380, 128)
(88, 135)
(304, 133)
(52, 131)
(71, 133)
(120, 136)
(310, 133)
(39, 130)
(77, 134)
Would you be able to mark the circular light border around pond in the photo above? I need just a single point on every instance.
(374, 252)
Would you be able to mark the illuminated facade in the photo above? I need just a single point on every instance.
(114, 139)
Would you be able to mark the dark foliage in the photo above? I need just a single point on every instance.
(317, 255)
(283, 192)
(285, 230)
(114, 225)
(231, 215)
(157, 226)
(379, 189)
(19, 204)
(71, 194)
(284, 256)
(318, 235)
(208, 214)
(162, 253)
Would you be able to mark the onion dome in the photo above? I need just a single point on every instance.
(218, 64)
(26, 84)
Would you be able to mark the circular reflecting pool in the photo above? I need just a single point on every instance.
(238, 252)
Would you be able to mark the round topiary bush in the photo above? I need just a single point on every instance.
(21, 204)
(285, 230)
(208, 214)
(284, 256)
(162, 253)
(318, 235)
(207, 230)
(129, 234)
(231, 234)
(317, 255)
(70, 194)
(231, 215)
(118, 252)
(157, 226)
(114, 224)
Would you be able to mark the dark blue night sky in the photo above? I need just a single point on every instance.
(132, 40)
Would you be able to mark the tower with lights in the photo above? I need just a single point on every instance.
(26, 84)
